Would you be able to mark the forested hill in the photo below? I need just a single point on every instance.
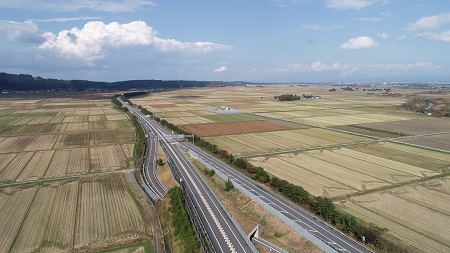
(25, 82)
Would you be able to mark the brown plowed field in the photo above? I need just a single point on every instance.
(235, 128)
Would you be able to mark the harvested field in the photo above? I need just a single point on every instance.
(128, 149)
(417, 214)
(72, 140)
(235, 128)
(7, 130)
(123, 221)
(116, 116)
(427, 159)
(439, 141)
(118, 124)
(107, 158)
(15, 144)
(124, 136)
(314, 183)
(77, 127)
(37, 166)
(58, 165)
(97, 118)
(102, 138)
(73, 119)
(98, 125)
(163, 105)
(60, 217)
(78, 161)
(15, 167)
(398, 166)
(15, 207)
(414, 127)
(42, 142)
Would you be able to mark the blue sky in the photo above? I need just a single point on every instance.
(243, 40)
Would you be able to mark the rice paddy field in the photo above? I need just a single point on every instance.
(381, 163)
(54, 193)
(54, 137)
(70, 216)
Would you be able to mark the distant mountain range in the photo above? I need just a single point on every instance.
(25, 82)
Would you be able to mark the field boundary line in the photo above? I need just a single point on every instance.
(419, 146)
(43, 180)
(387, 187)
(402, 225)
(309, 149)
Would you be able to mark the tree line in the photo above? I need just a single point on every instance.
(25, 82)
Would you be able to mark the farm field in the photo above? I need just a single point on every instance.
(357, 170)
(418, 214)
(55, 137)
(279, 141)
(343, 145)
(438, 141)
(59, 216)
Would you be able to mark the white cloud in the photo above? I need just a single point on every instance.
(221, 69)
(64, 19)
(430, 23)
(432, 27)
(384, 35)
(352, 4)
(316, 66)
(403, 66)
(359, 43)
(349, 69)
(74, 5)
(320, 27)
(25, 32)
(90, 42)
(171, 45)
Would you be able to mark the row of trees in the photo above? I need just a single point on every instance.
(321, 206)
(180, 220)
(287, 97)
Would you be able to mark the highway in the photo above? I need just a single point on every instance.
(224, 235)
(322, 231)
(149, 166)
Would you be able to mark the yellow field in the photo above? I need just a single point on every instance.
(60, 216)
(417, 214)
(48, 138)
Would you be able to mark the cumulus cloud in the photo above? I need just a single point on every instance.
(359, 43)
(432, 27)
(90, 42)
(75, 5)
(22, 32)
(352, 4)
(221, 69)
